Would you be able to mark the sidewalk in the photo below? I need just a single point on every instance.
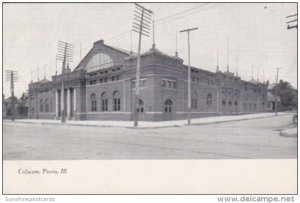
(147, 124)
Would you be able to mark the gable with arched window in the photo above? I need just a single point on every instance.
(93, 102)
(99, 61)
(104, 101)
(117, 101)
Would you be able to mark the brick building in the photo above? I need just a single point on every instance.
(102, 87)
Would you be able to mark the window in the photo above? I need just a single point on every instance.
(236, 92)
(140, 106)
(93, 82)
(224, 91)
(224, 103)
(142, 83)
(169, 83)
(113, 78)
(41, 106)
(117, 101)
(104, 102)
(230, 103)
(168, 106)
(194, 100)
(93, 102)
(99, 61)
(118, 77)
(235, 103)
(209, 99)
(46, 106)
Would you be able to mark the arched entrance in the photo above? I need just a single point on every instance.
(168, 110)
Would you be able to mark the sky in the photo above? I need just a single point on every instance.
(256, 35)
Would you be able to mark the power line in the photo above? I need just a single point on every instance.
(179, 13)
(163, 20)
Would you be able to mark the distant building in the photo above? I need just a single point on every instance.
(7, 107)
(271, 99)
(21, 107)
(102, 87)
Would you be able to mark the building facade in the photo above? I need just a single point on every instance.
(102, 87)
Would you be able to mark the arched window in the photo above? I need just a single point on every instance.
(117, 101)
(209, 99)
(104, 102)
(46, 106)
(194, 100)
(141, 106)
(99, 61)
(168, 105)
(93, 102)
(41, 106)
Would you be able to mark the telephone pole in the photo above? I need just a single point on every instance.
(12, 76)
(276, 91)
(189, 74)
(141, 25)
(64, 54)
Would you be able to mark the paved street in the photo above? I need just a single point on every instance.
(248, 139)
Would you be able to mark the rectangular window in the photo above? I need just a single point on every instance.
(169, 84)
(174, 85)
(194, 103)
(117, 104)
(94, 105)
(113, 78)
(118, 77)
(104, 105)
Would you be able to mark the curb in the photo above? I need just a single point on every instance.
(147, 127)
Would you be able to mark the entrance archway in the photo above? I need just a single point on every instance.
(168, 110)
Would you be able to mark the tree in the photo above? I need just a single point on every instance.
(287, 94)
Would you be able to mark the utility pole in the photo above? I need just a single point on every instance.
(141, 25)
(12, 76)
(64, 54)
(290, 23)
(276, 92)
(189, 74)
